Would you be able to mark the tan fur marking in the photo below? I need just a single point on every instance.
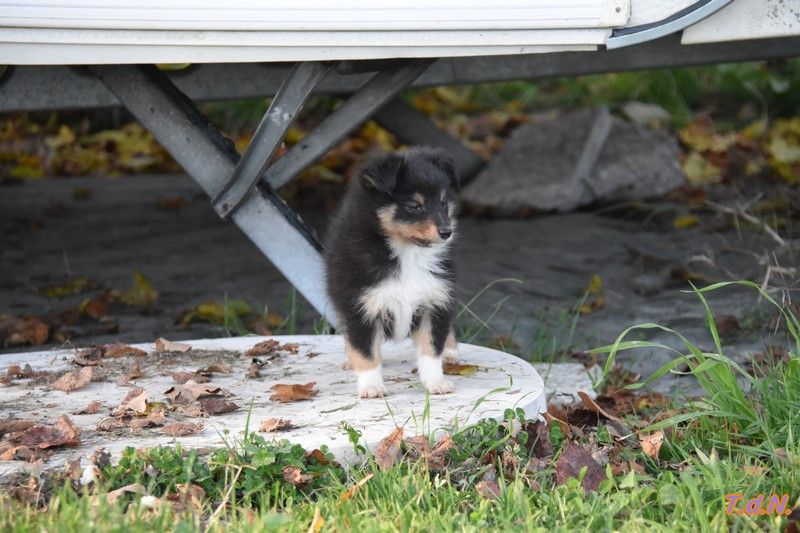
(358, 361)
(423, 338)
(418, 231)
(419, 198)
(451, 343)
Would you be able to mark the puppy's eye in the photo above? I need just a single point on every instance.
(413, 206)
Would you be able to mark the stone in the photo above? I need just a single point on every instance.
(502, 381)
(541, 166)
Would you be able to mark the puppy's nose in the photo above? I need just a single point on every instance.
(445, 233)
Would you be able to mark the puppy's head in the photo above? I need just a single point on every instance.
(414, 194)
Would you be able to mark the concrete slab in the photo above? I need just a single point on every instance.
(502, 381)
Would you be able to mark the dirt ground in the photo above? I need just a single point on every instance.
(107, 228)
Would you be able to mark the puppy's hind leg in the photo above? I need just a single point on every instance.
(450, 352)
(362, 344)
(429, 337)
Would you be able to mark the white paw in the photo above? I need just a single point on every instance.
(442, 386)
(370, 383)
(450, 355)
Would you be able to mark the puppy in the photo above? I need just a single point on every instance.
(389, 265)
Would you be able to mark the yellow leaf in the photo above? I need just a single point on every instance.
(685, 221)
(700, 171)
(595, 298)
(142, 294)
(700, 135)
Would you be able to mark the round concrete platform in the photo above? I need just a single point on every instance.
(502, 381)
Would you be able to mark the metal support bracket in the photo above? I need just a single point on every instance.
(283, 110)
(357, 109)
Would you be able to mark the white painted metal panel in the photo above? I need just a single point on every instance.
(747, 19)
(647, 11)
(315, 15)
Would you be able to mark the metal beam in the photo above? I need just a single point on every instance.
(413, 127)
(384, 86)
(51, 88)
(282, 112)
(209, 158)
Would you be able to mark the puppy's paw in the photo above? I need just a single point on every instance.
(370, 383)
(450, 355)
(372, 391)
(442, 386)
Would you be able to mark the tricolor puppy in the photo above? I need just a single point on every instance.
(390, 266)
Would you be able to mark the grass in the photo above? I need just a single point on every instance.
(741, 436)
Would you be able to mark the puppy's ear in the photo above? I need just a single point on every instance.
(445, 163)
(380, 172)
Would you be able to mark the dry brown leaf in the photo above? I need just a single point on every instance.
(569, 465)
(113, 351)
(63, 433)
(275, 424)
(19, 331)
(19, 453)
(219, 368)
(110, 424)
(388, 449)
(253, 371)
(156, 418)
(349, 493)
(318, 456)
(293, 475)
(592, 406)
(488, 488)
(91, 409)
(134, 373)
(191, 391)
(11, 425)
(651, 444)
(565, 428)
(217, 406)
(266, 347)
(293, 392)
(181, 429)
(163, 345)
(183, 377)
(73, 380)
(135, 401)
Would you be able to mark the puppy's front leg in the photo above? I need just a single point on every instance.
(429, 337)
(450, 352)
(362, 345)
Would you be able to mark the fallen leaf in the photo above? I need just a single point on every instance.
(253, 371)
(19, 453)
(12, 425)
(73, 380)
(727, 325)
(91, 409)
(219, 368)
(110, 424)
(183, 377)
(685, 221)
(70, 287)
(95, 308)
(293, 392)
(63, 433)
(134, 373)
(171, 203)
(388, 449)
(317, 522)
(217, 406)
(152, 419)
(699, 170)
(349, 493)
(318, 456)
(594, 297)
(191, 391)
(181, 429)
(217, 312)
(116, 350)
(135, 401)
(141, 294)
(293, 475)
(20, 331)
(133, 488)
(275, 424)
(651, 444)
(592, 406)
(266, 347)
(456, 369)
(570, 463)
(488, 488)
(163, 345)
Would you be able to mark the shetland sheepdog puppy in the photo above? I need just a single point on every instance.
(389, 265)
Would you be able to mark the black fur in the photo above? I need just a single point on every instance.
(357, 251)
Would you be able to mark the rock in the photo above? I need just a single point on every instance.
(577, 159)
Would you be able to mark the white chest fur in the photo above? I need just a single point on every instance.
(414, 284)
